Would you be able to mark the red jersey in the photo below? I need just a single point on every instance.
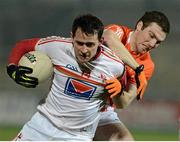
(124, 34)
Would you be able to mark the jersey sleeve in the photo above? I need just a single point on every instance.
(118, 30)
(122, 32)
(20, 49)
(54, 47)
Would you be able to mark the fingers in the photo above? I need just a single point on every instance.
(112, 90)
(110, 86)
(141, 84)
(27, 85)
(110, 81)
(26, 70)
(141, 92)
(114, 94)
(18, 74)
(26, 81)
(30, 79)
(137, 81)
(113, 87)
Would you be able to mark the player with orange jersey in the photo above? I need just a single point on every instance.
(151, 29)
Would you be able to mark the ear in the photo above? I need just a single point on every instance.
(139, 26)
(71, 34)
(101, 40)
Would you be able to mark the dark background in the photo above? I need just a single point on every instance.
(20, 19)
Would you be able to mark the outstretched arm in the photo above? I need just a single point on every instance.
(113, 42)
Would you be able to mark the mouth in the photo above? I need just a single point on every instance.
(83, 57)
(143, 51)
(145, 48)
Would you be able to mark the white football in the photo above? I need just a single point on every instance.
(40, 63)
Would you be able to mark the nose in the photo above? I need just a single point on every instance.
(84, 49)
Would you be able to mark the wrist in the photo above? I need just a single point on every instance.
(139, 69)
(11, 68)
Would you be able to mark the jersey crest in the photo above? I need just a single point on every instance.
(79, 89)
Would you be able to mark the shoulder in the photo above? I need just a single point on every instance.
(116, 29)
(54, 39)
(121, 31)
(54, 44)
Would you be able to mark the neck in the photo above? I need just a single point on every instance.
(97, 54)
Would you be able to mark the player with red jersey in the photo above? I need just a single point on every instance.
(151, 29)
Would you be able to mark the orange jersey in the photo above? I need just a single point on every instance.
(124, 34)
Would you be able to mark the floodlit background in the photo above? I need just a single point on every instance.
(20, 19)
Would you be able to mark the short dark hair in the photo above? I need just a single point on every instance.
(157, 17)
(89, 24)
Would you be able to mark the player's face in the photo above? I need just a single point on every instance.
(85, 46)
(149, 37)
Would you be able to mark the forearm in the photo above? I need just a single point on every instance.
(119, 49)
(123, 100)
(20, 49)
